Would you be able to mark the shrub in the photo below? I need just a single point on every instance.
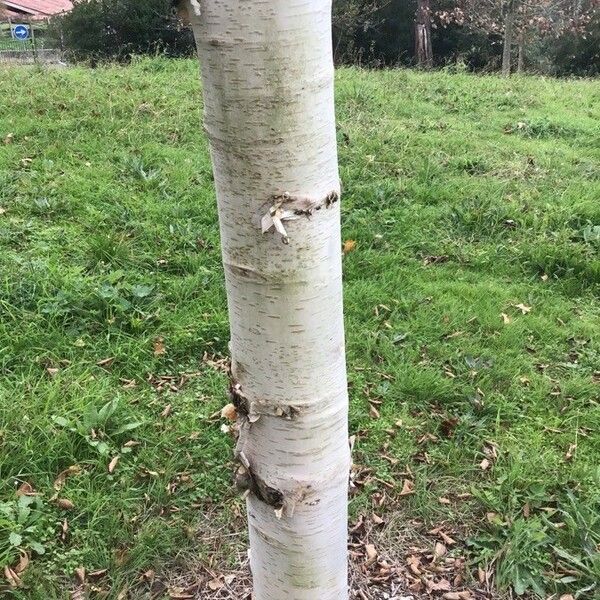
(118, 29)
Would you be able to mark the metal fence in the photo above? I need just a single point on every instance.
(26, 42)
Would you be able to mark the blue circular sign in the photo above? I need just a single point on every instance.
(21, 32)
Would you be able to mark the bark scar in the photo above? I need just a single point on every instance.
(286, 207)
(248, 482)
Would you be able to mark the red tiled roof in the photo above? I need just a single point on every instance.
(40, 7)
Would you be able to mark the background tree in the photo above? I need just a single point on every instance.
(520, 21)
(267, 73)
(423, 45)
(353, 20)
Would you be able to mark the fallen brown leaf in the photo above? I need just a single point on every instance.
(65, 504)
(78, 593)
(59, 482)
(439, 550)
(13, 579)
(106, 362)
(216, 584)
(98, 573)
(377, 520)
(181, 594)
(443, 500)
(507, 320)
(414, 564)
(373, 412)
(80, 574)
(159, 346)
(112, 465)
(408, 487)
(64, 529)
(229, 412)
(441, 586)
(371, 554)
(23, 563)
(523, 308)
(349, 246)
(447, 539)
(167, 411)
(26, 489)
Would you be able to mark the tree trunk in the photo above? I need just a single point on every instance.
(509, 23)
(521, 59)
(423, 47)
(267, 75)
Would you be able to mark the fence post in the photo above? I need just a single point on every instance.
(33, 42)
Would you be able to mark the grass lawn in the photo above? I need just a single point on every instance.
(472, 312)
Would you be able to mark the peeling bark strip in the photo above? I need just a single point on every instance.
(290, 208)
(267, 75)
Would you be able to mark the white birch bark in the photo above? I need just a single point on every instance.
(267, 75)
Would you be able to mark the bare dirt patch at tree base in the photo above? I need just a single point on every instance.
(387, 562)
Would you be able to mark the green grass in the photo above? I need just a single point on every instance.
(467, 196)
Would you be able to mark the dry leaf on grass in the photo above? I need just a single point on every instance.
(106, 362)
(78, 593)
(112, 465)
(65, 504)
(216, 584)
(181, 594)
(159, 346)
(26, 489)
(23, 563)
(371, 553)
(523, 308)
(377, 520)
(59, 482)
(98, 573)
(440, 586)
(408, 487)
(13, 579)
(349, 246)
(373, 412)
(80, 574)
(507, 320)
(439, 550)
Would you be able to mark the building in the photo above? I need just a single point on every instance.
(25, 10)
